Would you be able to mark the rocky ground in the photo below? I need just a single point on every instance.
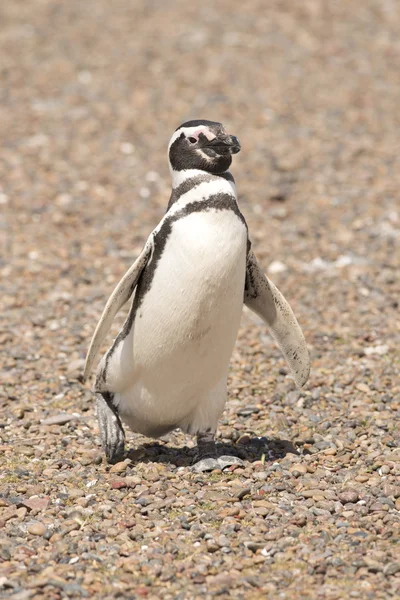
(91, 92)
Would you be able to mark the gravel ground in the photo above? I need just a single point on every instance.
(91, 92)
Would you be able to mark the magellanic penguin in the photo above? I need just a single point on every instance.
(168, 366)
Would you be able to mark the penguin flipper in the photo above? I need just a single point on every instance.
(118, 298)
(264, 298)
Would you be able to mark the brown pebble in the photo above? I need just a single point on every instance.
(118, 484)
(330, 451)
(298, 468)
(119, 467)
(348, 495)
(36, 529)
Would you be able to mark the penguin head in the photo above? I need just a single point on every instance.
(203, 145)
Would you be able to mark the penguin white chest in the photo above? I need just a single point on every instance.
(198, 284)
(185, 328)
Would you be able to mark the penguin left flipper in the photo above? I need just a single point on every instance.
(118, 298)
(264, 298)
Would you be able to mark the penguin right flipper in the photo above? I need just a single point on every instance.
(118, 298)
(264, 298)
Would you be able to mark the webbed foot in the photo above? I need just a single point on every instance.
(207, 458)
(227, 461)
(206, 464)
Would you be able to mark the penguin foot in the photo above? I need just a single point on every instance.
(111, 430)
(227, 461)
(221, 463)
(206, 464)
(207, 455)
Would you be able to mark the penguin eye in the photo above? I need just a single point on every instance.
(192, 140)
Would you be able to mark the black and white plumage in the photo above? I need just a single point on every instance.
(168, 366)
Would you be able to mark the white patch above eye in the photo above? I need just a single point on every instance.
(192, 132)
(205, 131)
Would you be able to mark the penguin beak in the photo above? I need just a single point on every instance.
(225, 142)
(234, 144)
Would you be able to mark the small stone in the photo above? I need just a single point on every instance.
(36, 529)
(212, 546)
(300, 521)
(244, 439)
(223, 579)
(362, 387)
(60, 419)
(377, 507)
(35, 503)
(298, 469)
(119, 467)
(230, 512)
(330, 451)
(76, 493)
(391, 569)
(25, 450)
(313, 493)
(9, 513)
(276, 267)
(253, 546)
(76, 365)
(348, 495)
(261, 511)
(132, 480)
(243, 493)
(19, 413)
(223, 541)
(118, 484)
(384, 349)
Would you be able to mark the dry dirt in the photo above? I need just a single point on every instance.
(90, 94)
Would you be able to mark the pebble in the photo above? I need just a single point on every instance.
(313, 510)
(391, 569)
(36, 503)
(242, 493)
(298, 469)
(60, 419)
(76, 493)
(25, 450)
(212, 546)
(348, 495)
(38, 529)
(119, 467)
(330, 451)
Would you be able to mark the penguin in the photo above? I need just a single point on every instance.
(168, 366)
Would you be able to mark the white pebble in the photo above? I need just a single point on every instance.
(127, 148)
(384, 349)
(144, 192)
(277, 267)
(85, 77)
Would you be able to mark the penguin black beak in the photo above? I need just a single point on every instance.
(225, 142)
(234, 144)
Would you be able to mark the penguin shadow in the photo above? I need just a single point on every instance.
(255, 449)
